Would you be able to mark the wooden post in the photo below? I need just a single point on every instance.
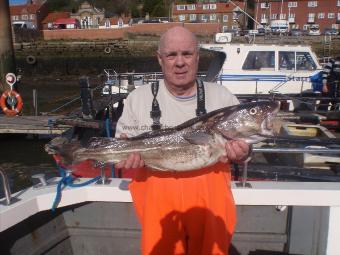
(7, 61)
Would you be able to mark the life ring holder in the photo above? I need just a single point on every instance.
(18, 106)
(107, 50)
(30, 59)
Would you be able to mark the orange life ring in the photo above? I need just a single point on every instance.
(18, 106)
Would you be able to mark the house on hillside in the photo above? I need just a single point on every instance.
(48, 21)
(88, 15)
(228, 15)
(115, 22)
(33, 12)
(300, 14)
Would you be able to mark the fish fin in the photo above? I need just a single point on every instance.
(199, 138)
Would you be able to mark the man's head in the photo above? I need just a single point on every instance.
(178, 56)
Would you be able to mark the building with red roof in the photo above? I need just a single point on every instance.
(29, 12)
(228, 15)
(48, 21)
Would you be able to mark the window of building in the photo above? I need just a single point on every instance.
(192, 17)
(212, 16)
(274, 16)
(292, 4)
(331, 15)
(225, 29)
(235, 16)
(305, 27)
(257, 60)
(291, 15)
(32, 16)
(321, 15)
(225, 18)
(205, 6)
(212, 6)
(191, 7)
(264, 5)
(180, 7)
(282, 16)
(204, 17)
(338, 16)
(181, 17)
(338, 3)
(107, 23)
(312, 3)
(263, 16)
(24, 17)
(311, 15)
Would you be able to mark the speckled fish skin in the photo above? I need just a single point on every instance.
(195, 144)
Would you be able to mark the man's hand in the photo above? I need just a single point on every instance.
(236, 151)
(134, 160)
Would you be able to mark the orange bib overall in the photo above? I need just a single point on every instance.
(191, 213)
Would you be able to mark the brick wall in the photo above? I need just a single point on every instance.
(143, 29)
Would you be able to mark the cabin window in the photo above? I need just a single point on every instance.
(259, 60)
(304, 61)
(286, 60)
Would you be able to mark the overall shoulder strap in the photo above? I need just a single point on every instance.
(200, 98)
(155, 112)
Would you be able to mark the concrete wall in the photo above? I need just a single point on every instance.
(142, 29)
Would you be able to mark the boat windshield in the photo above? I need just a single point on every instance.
(260, 60)
(304, 61)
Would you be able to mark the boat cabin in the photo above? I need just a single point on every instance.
(262, 69)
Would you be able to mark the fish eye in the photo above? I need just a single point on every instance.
(252, 111)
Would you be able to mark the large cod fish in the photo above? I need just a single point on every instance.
(197, 143)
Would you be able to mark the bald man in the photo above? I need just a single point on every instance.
(180, 212)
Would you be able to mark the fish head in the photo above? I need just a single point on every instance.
(251, 122)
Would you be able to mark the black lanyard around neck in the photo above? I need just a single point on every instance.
(155, 112)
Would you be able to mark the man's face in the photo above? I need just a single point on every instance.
(178, 58)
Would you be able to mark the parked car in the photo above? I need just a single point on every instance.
(314, 32)
(23, 25)
(330, 31)
(295, 32)
(261, 31)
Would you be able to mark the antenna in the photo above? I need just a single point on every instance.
(240, 9)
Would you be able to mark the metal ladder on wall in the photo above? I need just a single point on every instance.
(327, 48)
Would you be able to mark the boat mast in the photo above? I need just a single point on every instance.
(241, 10)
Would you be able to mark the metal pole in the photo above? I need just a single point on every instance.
(298, 150)
(35, 102)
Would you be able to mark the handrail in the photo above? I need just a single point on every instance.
(5, 184)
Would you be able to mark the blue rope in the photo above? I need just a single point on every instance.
(108, 134)
(68, 181)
